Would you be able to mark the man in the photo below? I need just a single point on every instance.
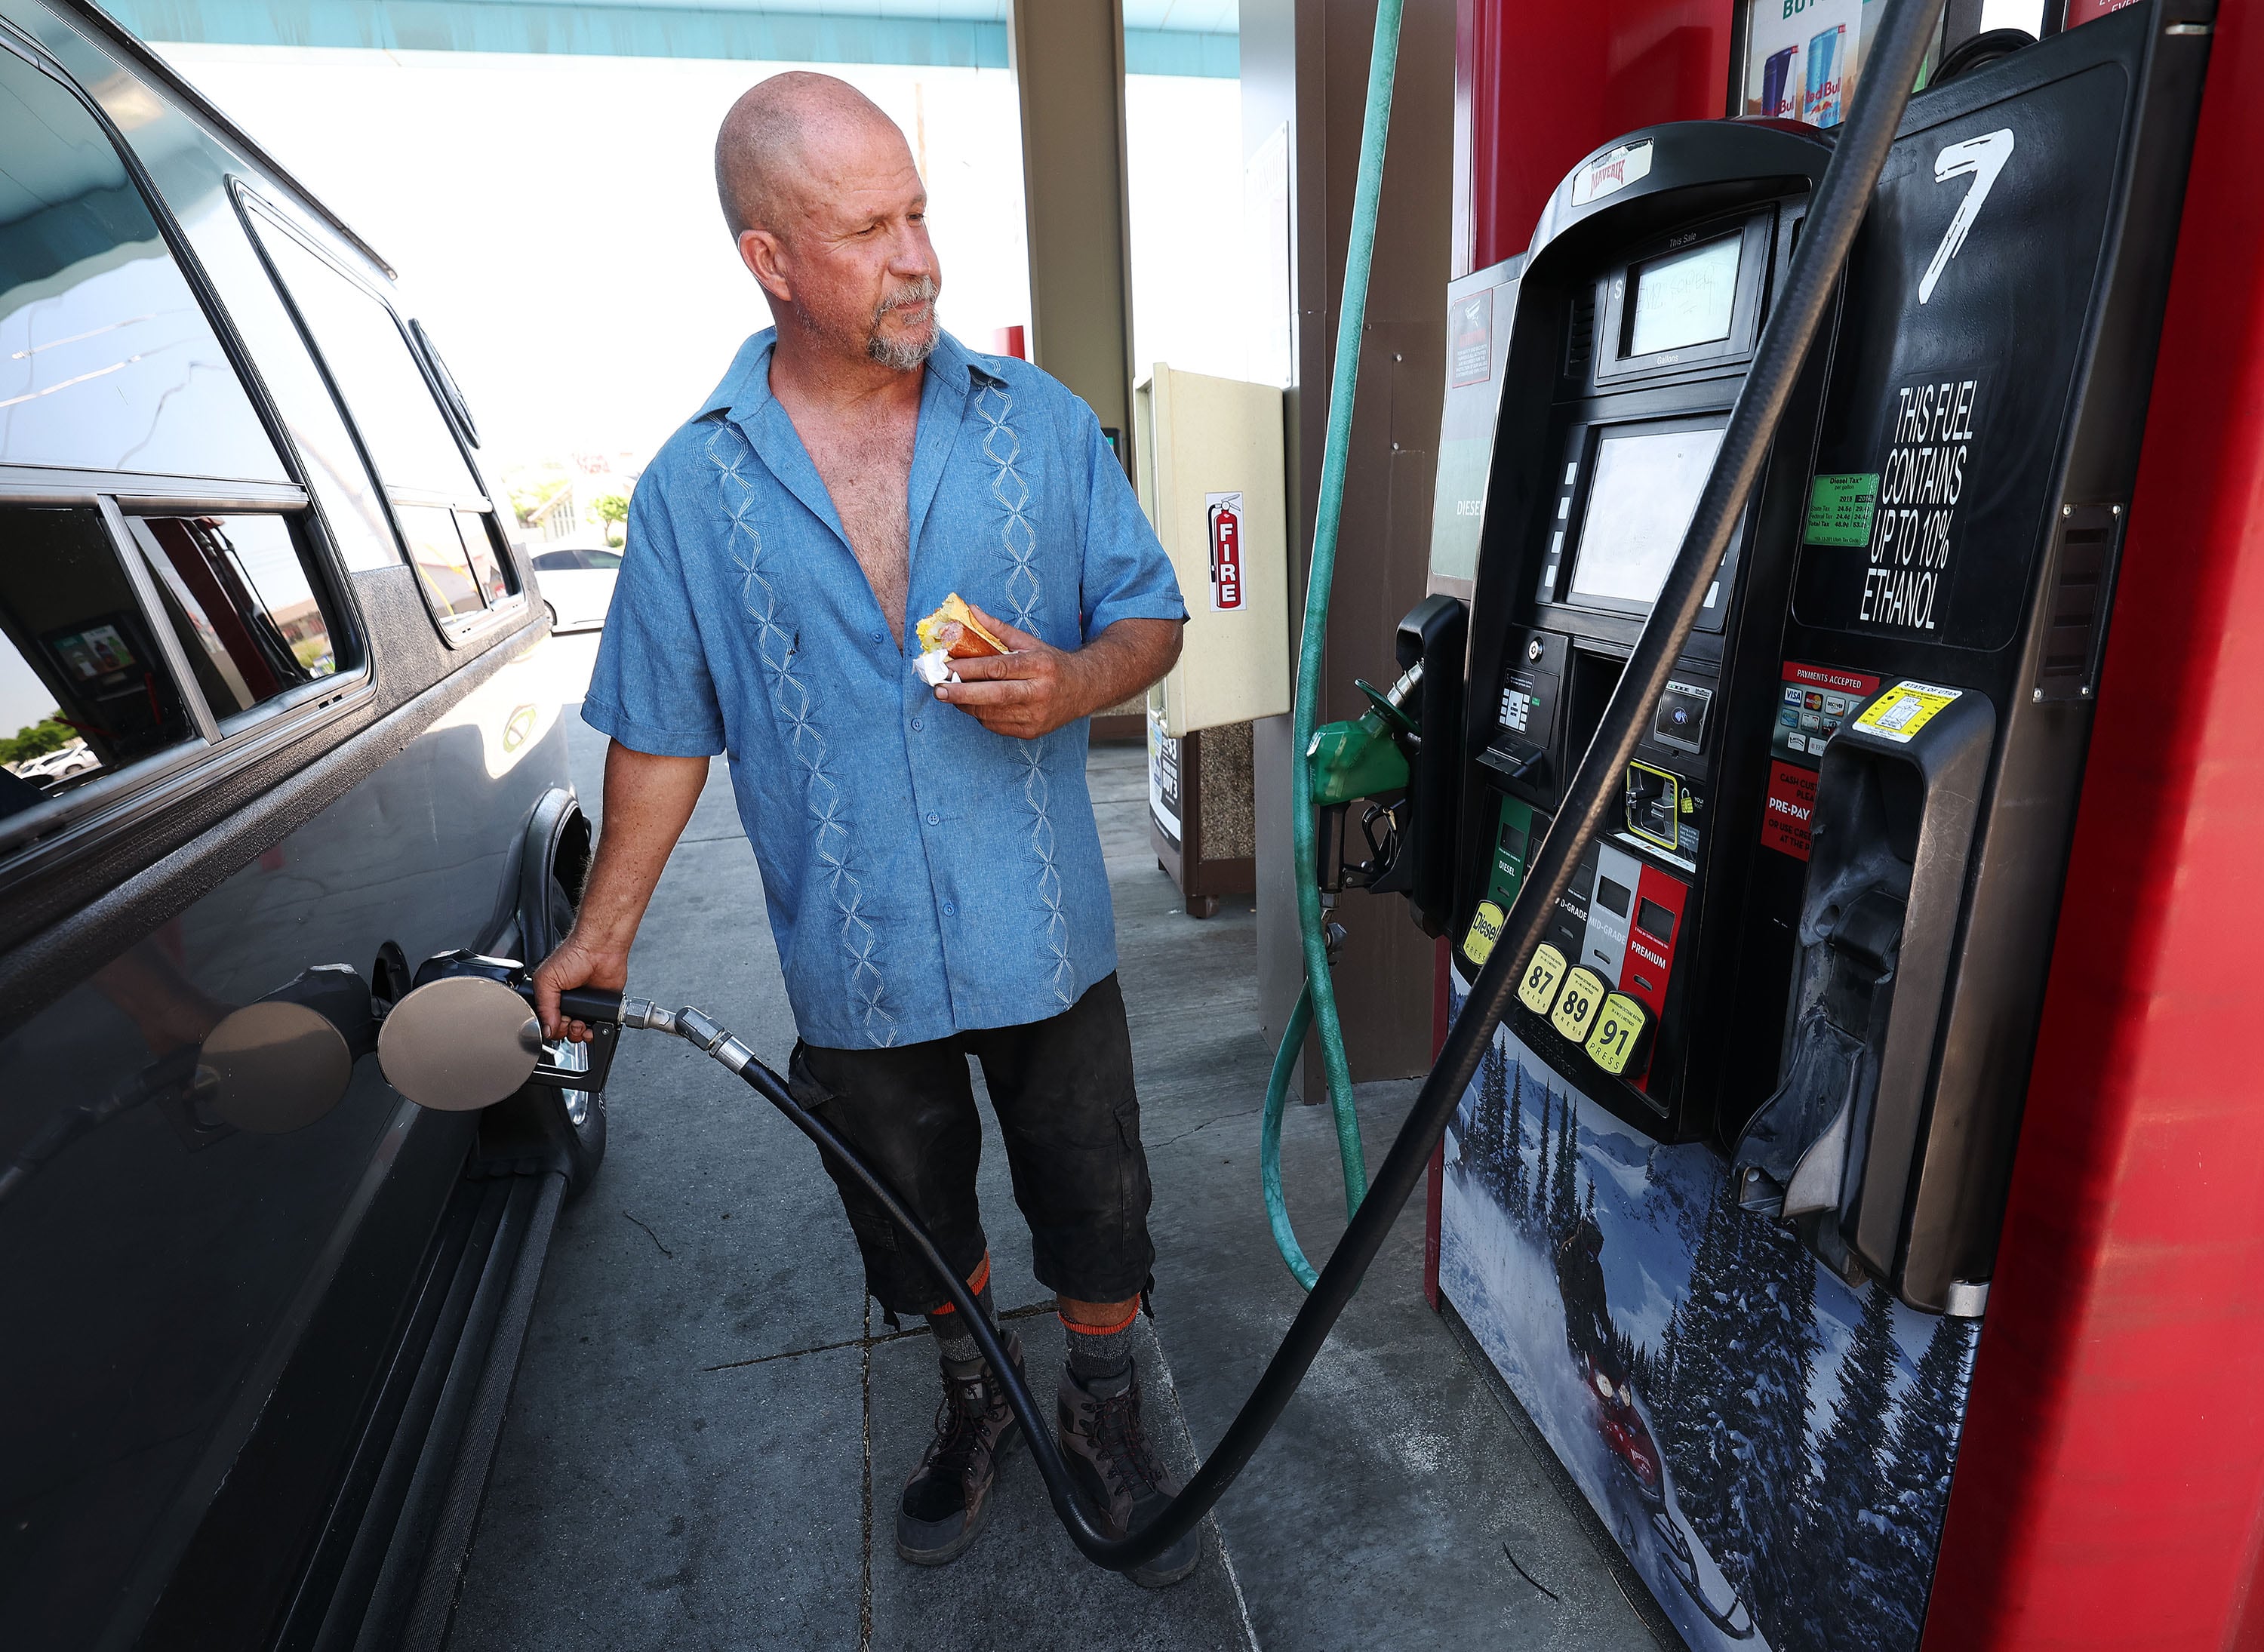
(929, 856)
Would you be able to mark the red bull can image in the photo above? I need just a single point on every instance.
(1779, 99)
(1821, 107)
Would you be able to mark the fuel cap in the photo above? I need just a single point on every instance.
(275, 1066)
(460, 1043)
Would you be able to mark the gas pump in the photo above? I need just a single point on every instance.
(1722, 1203)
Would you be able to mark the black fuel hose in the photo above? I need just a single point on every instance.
(1890, 67)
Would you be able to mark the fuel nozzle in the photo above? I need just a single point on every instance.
(1366, 756)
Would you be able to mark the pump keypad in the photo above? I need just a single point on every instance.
(1578, 1004)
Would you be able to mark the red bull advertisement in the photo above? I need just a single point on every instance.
(1801, 59)
(1820, 107)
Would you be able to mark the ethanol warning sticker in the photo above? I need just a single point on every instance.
(1840, 508)
(1905, 708)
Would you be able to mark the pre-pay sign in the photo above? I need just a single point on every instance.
(1225, 510)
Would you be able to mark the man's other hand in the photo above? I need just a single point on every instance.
(1038, 688)
(575, 965)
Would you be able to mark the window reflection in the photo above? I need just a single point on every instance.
(385, 391)
(83, 690)
(106, 362)
(237, 591)
(437, 551)
(479, 544)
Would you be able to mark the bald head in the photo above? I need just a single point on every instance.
(782, 141)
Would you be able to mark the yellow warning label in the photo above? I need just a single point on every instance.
(1619, 1029)
(1485, 930)
(1538, 990)
(1905, 708)
(1577, 1005)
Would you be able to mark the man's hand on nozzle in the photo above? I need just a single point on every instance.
(575, 965)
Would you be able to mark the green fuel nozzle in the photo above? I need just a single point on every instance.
(1365, 756)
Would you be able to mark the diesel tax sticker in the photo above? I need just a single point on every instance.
(1839, 509)
(1903, 710)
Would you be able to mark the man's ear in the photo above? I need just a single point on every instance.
(764, 255)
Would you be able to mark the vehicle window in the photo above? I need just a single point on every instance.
(487, 561)
(450, 391)
(84, 691)
(437, 550)
(386, 394)
(556, 563)
(604, 561)
(106, 361)
(241, 599)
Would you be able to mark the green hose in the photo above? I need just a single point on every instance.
(1319, 1001)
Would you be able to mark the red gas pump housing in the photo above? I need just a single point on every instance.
(2111, 1472)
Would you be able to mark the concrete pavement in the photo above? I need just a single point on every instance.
(710, 1425)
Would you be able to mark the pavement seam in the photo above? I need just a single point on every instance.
(864, 1585)
(867, 1343)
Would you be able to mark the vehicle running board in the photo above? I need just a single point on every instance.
(387, 1582)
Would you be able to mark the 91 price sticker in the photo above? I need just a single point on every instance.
(1578, 1004)
(1619, 1029)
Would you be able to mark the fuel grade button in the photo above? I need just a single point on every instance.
(1577, 1006)
(1543, 976)
(1485, 930)
(1618, 1035)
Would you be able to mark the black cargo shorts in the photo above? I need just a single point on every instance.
(1062, 1088)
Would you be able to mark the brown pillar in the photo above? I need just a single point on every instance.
(1068, 57)
(1318, 50)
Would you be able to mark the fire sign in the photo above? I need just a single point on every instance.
(1225, 513)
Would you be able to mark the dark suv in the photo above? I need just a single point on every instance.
(277, 720)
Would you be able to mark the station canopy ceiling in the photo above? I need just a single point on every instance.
(1161, 37)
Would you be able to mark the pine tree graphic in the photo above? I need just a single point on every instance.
(1851, 1587)
(1923, 1452)
(1489, 1129)
(1518, 1191)
(1743, 1349)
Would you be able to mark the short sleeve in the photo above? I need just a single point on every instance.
(1127, 574)
(651, 690)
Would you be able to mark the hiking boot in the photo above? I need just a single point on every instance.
(1120, 1475)
(941, 1511)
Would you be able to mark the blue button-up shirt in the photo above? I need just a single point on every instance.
(924, 876)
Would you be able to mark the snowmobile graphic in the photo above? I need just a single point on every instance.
(1626, 1431)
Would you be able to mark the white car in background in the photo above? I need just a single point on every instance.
(74, 759)
(577, 584)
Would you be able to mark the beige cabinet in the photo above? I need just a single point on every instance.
(1209, 463)
(1208, 459)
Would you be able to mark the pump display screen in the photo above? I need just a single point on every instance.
(1683, 299)
(1640, 503)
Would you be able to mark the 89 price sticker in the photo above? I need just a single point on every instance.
(1578, 1004)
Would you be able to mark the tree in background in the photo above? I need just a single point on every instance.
(533, 489)
(612, 508)
(36, 740)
